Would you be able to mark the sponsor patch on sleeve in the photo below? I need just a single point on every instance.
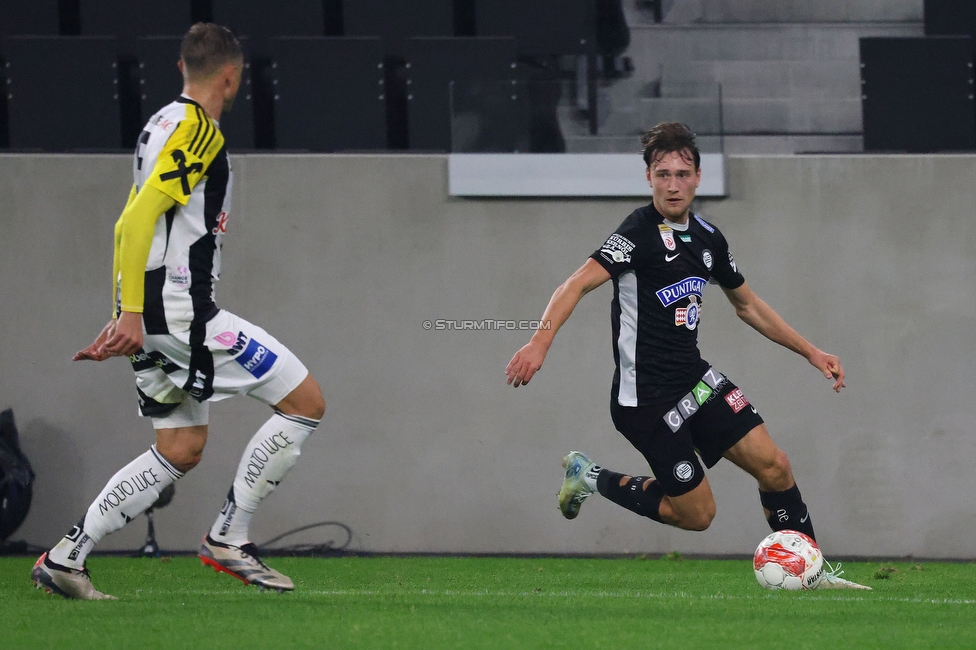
(617, 249)
(737, 401)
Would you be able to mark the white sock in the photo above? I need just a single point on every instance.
(590, 476)
(267, 459)
(127, 495)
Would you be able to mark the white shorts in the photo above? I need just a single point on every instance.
(235, 358)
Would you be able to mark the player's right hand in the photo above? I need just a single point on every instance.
(127, 337)
(96, 351)
(525, 364)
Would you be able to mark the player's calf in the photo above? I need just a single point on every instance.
(127, 495)
(267, 460)
(639, 494)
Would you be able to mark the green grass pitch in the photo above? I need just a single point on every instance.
(475, 602)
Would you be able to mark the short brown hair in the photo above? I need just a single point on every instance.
(208, 47)
(669, 137)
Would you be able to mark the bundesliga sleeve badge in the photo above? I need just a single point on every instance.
(617, 249)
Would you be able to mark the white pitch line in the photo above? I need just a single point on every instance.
(610, 594)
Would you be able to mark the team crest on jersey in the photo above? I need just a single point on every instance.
(617, 249)
(667, 236)
(690, 315)
(707, 259)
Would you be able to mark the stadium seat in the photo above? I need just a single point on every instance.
(544, 32)
(127, 21)
(4, 122)
(134, 18)
(262, 20)
(62, 93)
(329, 93)
(160, 83)
(917, 94)
(397, 20)
(541, 27)
(950, 18)
(394, 21)
(466, 87)
(29, 18)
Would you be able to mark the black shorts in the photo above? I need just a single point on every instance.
(709, 420)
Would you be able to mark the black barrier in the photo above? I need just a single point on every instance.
(397, 20)
(950, 17)
(62, 93)
(917, 94)
(262, 20)
(541, 27)
(329, 94)
(434, 64)
(30, 18)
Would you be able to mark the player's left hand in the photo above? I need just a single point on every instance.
(830, 366)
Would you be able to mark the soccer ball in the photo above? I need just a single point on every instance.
(788, 559)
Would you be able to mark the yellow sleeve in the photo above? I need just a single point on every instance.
(134, 235)
(186, 156)
(115, 254)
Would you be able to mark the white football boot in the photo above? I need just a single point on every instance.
(243, 563)
(65, 581)
(832, 579)
(574, 490)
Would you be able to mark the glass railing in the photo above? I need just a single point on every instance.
(518, 116)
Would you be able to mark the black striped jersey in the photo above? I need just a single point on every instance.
(659, 272)
(181, 153)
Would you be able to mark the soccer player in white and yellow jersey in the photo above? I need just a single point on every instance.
(185, 351)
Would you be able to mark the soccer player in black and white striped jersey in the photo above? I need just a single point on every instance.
(665, 399)
(184, 350)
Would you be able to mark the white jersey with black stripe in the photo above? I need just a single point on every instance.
(181, 152)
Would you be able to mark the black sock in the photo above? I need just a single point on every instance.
(787, 511)
(632, 495)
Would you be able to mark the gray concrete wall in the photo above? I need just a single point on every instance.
(424, 447)
(790, 11)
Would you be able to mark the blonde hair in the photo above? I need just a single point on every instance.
(206, 48)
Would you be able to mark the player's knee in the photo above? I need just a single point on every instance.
(317, 407)
(182, 457)
(777, 474)
(312, 406)
(306, 401)
(700, 519)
